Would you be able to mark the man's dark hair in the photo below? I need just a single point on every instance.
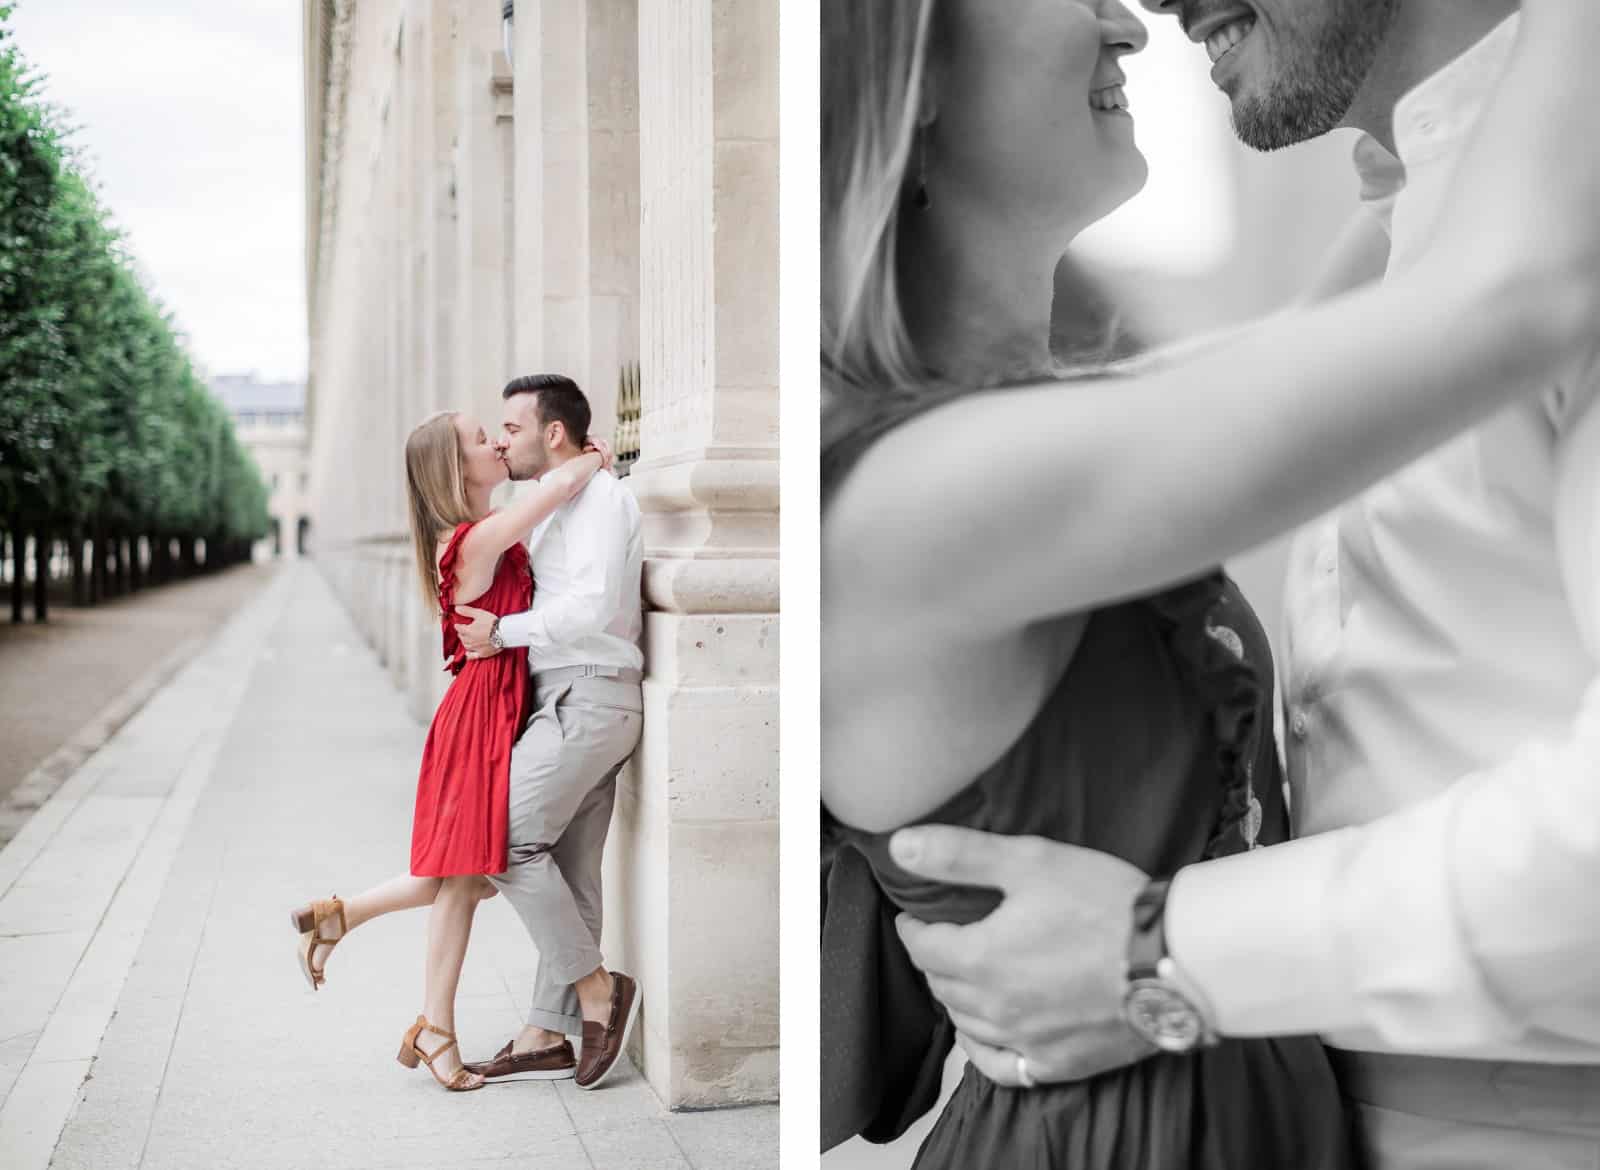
(560, 401)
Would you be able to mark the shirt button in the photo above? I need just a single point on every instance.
(1298, 724)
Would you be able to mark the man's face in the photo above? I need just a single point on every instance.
(521, 443)
(1291, 68)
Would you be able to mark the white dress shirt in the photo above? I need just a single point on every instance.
(587, 558)
(1443, 722)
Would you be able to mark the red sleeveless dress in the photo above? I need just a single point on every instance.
(459, 826)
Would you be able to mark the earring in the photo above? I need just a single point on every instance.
(920, 198)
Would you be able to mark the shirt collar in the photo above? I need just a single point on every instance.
(1435, 117)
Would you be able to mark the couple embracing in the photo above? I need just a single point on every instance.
(1049, 762)
(539, 605)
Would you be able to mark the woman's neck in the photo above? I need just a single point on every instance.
(478, 496)
(977, 295)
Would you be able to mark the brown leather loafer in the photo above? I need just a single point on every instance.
(556, 1063)
(603, 1043)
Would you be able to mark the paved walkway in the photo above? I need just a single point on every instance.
(151, 1010)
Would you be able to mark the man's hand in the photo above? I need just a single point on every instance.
(1042, 976)
(475, 634)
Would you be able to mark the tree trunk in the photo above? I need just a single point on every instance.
(135, 571)
(18, 543)
(97, 567)
(80, 591)
(41, 576)
(121, 546)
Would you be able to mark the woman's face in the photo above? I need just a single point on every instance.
(1028, 109)
(480, 462)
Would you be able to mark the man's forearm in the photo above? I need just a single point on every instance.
(1448, 926)
(559, 623)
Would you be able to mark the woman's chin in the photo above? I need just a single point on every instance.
(1126, 174)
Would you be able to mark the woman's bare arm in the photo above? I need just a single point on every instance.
(515, 522)
(1009, 506)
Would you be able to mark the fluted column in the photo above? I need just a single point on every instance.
(693, 899)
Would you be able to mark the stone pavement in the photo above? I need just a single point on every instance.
(152, 1013)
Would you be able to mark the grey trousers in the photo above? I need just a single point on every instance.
(563, 785)
(1429, 1113)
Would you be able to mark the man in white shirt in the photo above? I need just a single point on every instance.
(582, 634)
(1440, 922)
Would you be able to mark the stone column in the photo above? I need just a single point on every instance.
(611, 203)
(693, 893)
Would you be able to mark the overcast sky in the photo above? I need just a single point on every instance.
(191, 115)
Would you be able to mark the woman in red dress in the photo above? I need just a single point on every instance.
(465, 553)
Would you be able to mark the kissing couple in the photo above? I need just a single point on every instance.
(539, 605)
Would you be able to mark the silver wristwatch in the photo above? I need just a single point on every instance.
(1160, 1004)
(494, 636)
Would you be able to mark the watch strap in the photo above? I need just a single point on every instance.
(1147, 945)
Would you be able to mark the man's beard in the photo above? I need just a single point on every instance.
(1313, 94)
(520, 470)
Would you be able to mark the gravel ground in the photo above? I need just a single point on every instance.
(56, 678)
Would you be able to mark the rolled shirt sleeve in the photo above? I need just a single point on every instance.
(1463, 924)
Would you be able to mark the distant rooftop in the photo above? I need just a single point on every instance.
(243, 394)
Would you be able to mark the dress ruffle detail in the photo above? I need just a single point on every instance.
(455, 654)
(1204, 642)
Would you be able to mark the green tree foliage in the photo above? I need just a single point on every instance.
(104, 426)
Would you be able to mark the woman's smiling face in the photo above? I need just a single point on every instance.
(1024, 108)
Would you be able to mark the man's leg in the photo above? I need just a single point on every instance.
(578, 738)
(579, 854)
(551, 774)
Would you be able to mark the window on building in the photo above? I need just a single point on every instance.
(274, 481)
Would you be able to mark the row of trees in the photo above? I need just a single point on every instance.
(109, 440)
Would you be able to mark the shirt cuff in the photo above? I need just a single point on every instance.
(1351, 931)
(516, 629)
(1241, 930)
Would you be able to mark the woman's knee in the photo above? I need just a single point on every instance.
(466, 887)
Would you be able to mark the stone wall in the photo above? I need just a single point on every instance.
(605, 198)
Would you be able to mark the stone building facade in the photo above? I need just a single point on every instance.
(270, 420)
(600, 199)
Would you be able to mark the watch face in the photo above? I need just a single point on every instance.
(1163, 1016)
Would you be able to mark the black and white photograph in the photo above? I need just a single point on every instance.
(1210, 584)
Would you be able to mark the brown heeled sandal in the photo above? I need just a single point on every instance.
(308, 921)
(461, 1081)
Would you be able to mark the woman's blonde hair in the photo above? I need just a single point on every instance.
(436, 494)
(874, 59)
